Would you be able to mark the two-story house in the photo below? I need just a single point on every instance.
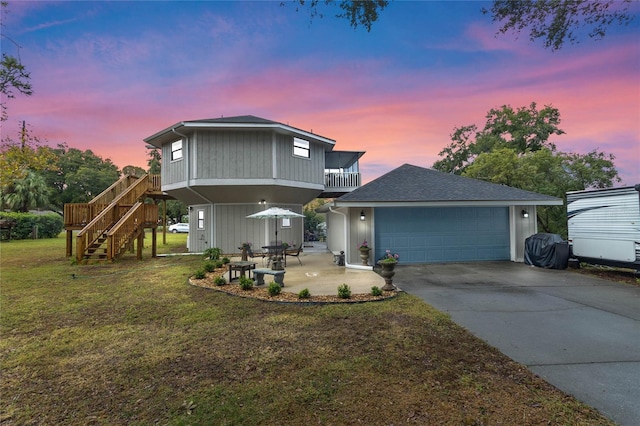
(227, 168)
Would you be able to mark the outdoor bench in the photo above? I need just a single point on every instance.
(278, 276)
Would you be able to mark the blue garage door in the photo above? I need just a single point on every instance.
(443, 234)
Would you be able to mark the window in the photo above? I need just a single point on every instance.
(300, 148)
(200, 219)
(176, 150)
(286, 222)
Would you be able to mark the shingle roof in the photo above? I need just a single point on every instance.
(245, 119)
(410, 183)
(237, 122)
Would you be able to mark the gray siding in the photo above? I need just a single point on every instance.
(232, 155)
(232, 227)
(298, 169)
(172, 171)
(199, 239)
(358, 232)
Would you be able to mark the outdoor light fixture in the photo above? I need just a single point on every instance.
(525, 214)
(263, 202)
(362, 217)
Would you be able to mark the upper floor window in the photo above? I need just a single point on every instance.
(301, 148)
(176, 150)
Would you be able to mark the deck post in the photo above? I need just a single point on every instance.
(164, 222)
(154, 242)
(69, 242)
(139, 245)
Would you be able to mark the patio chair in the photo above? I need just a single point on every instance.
(253, 255)
(295, 253)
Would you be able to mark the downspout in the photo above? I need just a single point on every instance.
(346, 234)
(188, 173)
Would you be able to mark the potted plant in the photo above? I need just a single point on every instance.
(387, 265)
(364, 252)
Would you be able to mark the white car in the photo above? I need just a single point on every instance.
(179, 227)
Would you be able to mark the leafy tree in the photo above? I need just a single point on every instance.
(525, 129)
(175, 210)
(79, 176)
(311, 218)
(154, 161)
(557, 21)
(546, 171)
(27, 193)
(133, 171)
(553, 21)
(17, 158)
(357, 12)
(13, 75)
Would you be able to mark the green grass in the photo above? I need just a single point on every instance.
(131, 342)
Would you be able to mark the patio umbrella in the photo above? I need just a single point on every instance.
(275, 213)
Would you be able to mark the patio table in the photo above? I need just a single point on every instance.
(240, 267)
(276, 252)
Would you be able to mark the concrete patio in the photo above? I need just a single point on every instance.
(321, 276)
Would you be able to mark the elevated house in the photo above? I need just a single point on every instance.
(225, 169)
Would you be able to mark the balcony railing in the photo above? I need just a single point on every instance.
(341, 180)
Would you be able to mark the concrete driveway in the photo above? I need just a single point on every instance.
(581, 334)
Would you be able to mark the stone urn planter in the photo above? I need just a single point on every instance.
(387, 272)
(364, 255)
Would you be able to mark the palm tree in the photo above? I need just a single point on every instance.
(27, 193)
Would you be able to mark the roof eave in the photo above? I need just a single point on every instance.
(194, 125)
(444, 203)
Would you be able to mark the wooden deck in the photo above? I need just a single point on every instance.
(115, 219)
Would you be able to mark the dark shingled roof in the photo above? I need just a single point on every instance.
(410, 183)
(244, 119)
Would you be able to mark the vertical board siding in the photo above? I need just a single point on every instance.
(299, 169)
(172, 171)
(233, 155)
(232, 227)
(358, 232)
(447, 234)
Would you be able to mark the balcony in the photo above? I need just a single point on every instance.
(339, 183)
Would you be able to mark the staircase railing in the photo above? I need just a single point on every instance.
(95, 229)
(112, 192)
(127, 228)
(78, 214)
(110, 215)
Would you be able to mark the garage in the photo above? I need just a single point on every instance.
(426, 216)
(443, 234)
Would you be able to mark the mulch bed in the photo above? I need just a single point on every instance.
(262, 292)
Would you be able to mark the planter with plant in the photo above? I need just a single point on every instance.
(364, 252)
(387, 265)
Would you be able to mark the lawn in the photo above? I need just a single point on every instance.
(131, 342)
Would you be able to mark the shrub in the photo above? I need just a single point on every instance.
(200, 274)
(304, 294)
(376, 291)
(246, 283)
(274, 288)
(219, 264)
(344, 291)
(48, 225)
(213, 253)
(225, 260)
(220, 280)
(209, 266)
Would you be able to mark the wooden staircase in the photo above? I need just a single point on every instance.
(110, 223)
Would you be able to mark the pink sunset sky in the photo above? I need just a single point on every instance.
(107, 75)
